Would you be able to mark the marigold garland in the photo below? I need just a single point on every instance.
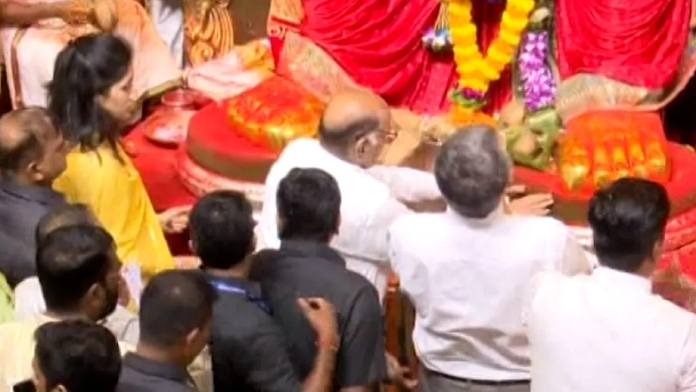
(477, 72)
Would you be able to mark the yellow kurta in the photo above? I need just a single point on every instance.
(116, 194)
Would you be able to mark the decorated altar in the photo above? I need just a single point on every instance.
(575, 113)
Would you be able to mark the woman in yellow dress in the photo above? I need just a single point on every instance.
(91, 97)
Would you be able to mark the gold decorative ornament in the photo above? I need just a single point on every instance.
(208, 30)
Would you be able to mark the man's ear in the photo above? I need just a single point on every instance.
(657, 251)
(338, 223)
(360, 146)
(279, 223)
(192, 336)
(95, 294)
(34, 172)
(60, 388)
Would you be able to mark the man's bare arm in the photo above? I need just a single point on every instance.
(319, 380)
(15, 14)
(322, 317)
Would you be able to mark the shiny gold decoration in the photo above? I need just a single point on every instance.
(584, 92)
(600, 147)
(284, 16)
(274, 113)
(208, 30)
(312, 68)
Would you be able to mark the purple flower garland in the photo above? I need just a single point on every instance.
(538, 84)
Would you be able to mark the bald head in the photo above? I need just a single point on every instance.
(22, 133)
(351, 115)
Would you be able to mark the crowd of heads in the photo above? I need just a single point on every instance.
(79, 271)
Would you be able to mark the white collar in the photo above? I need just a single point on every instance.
(489, 220)
(623, 279)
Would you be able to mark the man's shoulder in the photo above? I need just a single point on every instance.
(355, 291)
(322, 272)
(542, 223)
(676, 314)
(298, 153)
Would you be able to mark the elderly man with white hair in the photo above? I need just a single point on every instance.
(468, 270)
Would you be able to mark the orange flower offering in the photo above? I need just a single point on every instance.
(274, 113)
(600, 147)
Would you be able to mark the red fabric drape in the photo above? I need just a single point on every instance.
(640, 42)
(378, 42)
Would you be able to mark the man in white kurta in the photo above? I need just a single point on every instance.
(354, 128)
(468, 270)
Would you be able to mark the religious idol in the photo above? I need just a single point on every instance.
(208, 30)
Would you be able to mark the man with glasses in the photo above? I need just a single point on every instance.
(354, 129)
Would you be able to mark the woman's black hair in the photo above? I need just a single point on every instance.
(89, 66)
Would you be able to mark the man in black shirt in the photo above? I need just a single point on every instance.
(176, 311)
(308, 202)
(247, 347)
(32, 155)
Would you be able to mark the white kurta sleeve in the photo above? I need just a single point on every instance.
(369, 241)
(407, 184)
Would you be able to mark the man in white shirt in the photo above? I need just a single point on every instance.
(468, 270)
(354, 129)
(607, 331)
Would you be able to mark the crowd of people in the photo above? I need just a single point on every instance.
(505, 298)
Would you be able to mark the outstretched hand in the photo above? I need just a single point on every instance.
(175, 220)
(533, 204)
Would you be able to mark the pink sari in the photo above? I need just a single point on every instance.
(30, 54)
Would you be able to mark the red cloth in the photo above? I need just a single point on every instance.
(640, 42)
(378, 42)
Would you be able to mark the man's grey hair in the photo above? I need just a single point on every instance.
(472, 171)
